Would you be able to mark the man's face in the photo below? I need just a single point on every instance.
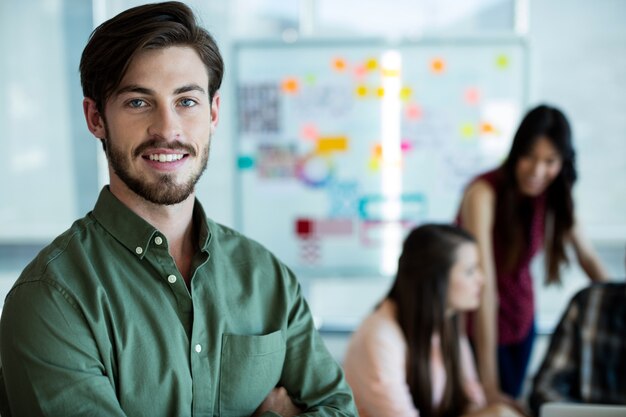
(158, 125)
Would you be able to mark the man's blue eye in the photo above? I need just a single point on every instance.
(186, 102)
(136, 103)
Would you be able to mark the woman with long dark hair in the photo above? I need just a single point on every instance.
(513, 211)
(407, 358)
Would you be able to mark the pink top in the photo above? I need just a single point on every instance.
(375, 368)
(516, 307)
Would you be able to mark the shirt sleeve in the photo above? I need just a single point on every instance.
(557, 377)
(310, 374)
(376, 368)
(50, 361)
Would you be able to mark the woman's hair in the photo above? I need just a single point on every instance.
(512, 212)
(420, 294)
(113, 45)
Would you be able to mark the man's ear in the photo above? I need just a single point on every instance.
(215, 110)
(95, 121)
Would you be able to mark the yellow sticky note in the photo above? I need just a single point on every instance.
(502, 61)
(361, 90)
(467, 130)
(327, 144)
(371, 64)
(406, 93)
(373, 164)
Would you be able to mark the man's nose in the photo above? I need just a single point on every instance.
(165, 124)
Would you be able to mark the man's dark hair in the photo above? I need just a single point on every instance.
(114, 43)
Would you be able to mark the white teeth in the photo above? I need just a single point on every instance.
(169, 157)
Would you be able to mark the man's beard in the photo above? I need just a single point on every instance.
(165, 191)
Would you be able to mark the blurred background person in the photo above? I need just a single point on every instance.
(407, 358)
(586, 360)
(514, 211)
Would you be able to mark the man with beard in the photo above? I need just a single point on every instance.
(145, 307)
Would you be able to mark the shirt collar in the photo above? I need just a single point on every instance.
(133, 231)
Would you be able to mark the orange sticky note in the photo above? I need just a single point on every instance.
(339, 64)
(438, 65)
(290, 85)
(377, 152)
(487, 127)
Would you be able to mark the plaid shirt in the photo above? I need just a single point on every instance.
(586, 360)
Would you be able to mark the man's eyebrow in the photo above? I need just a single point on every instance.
(133, 88)
(190, 87)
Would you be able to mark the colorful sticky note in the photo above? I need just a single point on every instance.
(502, 61)
(437, 65)
(380, 92)
(487, 127)
(309, 131)
(467, 130)
(406, 146)
(329, 144)
(339, 64)
(406, 93)
(310, 79)
(304, 227)
(472, 95)
(290, 85)
(245, 162)
(391, 72)
(361, 90)
(374, 164)
(360, 71)
(413, 112)
(371, 64)
(377, 152)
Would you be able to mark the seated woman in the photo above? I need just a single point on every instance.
(407, 358)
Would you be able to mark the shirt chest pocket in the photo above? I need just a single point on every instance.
(251, 366)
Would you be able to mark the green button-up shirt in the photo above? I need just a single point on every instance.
(101, 323)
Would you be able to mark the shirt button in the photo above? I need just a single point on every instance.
(158, 240)
(171, 279)
(198, 348)
(138, 250)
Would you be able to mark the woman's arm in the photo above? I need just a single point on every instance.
(375, 367)
(477, 215)
(587, 258)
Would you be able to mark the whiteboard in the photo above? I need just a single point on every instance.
(344, 146)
